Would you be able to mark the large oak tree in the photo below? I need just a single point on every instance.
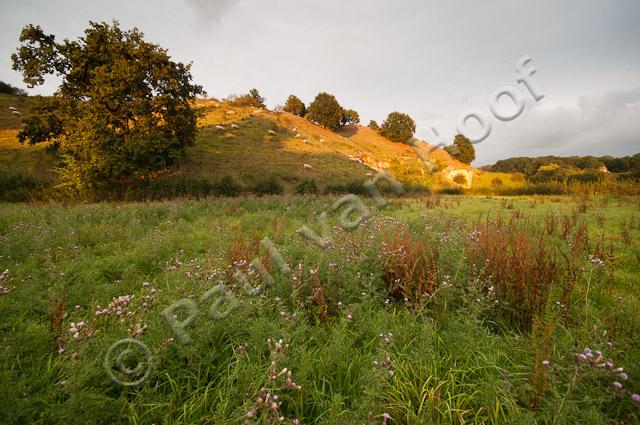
(123, 109)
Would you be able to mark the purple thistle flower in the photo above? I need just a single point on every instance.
(617, 385)
(545, 362)
(636, 398)
(624, 376)
(582, 357)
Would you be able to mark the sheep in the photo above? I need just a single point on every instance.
(298, 135)
(256, 111)
(304, 140)
(219, 127)
(321, 140)
(231, 112)
(16, 112)
(307, 166)
(235, 126)
(271, 132)
(13, 108)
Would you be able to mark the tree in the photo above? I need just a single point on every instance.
(256, 96)
(7, 88)
(295, 106)
(326, 111)
(462, 149)
(398, 127)
(349, 117)
(123, 110)
(373, 125)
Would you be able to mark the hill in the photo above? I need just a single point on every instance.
(252, 144)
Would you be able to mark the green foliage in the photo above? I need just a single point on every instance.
(122, 112)
(373, 125)
(227, 186)
(462, 149)
(270, 186)
(307, 186)
(295, 106)
(350, 117)
(460, 179)
(325, 111)
(259, 100)
(496, 181)
(7, 88)
(398, 127)
(529, 166)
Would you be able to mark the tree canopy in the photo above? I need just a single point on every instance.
(373, 125)
(349, 117)
(295, 106)
(462, 149)
(398, 127)
(123, 110)
(326, 111)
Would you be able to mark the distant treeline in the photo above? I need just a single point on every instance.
(530, 166)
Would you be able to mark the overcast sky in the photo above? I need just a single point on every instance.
(434, 60)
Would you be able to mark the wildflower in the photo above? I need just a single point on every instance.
(349, 317)
(251, 414)
(390, 373)
(582, 357)
(61, 350)
(624, 376)
(617, 385)
(545, 362)
(636, 398)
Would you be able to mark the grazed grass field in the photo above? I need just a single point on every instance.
(420, 313)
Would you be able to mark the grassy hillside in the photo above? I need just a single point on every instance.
(250, 153)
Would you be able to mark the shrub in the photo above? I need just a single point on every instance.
(326, 111)
(398, 127)
(256, 96)
(460, 179)
(245, 100)
(270, 186)
(462, 149)
(349, 117)
(295, 106)
(496, 181)
(227, 186)
(18, 187)
(373, 125)
(355, 187)
(306, 186)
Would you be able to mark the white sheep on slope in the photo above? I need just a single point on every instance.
(219, 127)
(235, 126)
(307, 166)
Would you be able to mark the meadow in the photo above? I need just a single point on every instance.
(439, 309)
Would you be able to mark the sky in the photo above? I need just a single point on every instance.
(434, 60)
